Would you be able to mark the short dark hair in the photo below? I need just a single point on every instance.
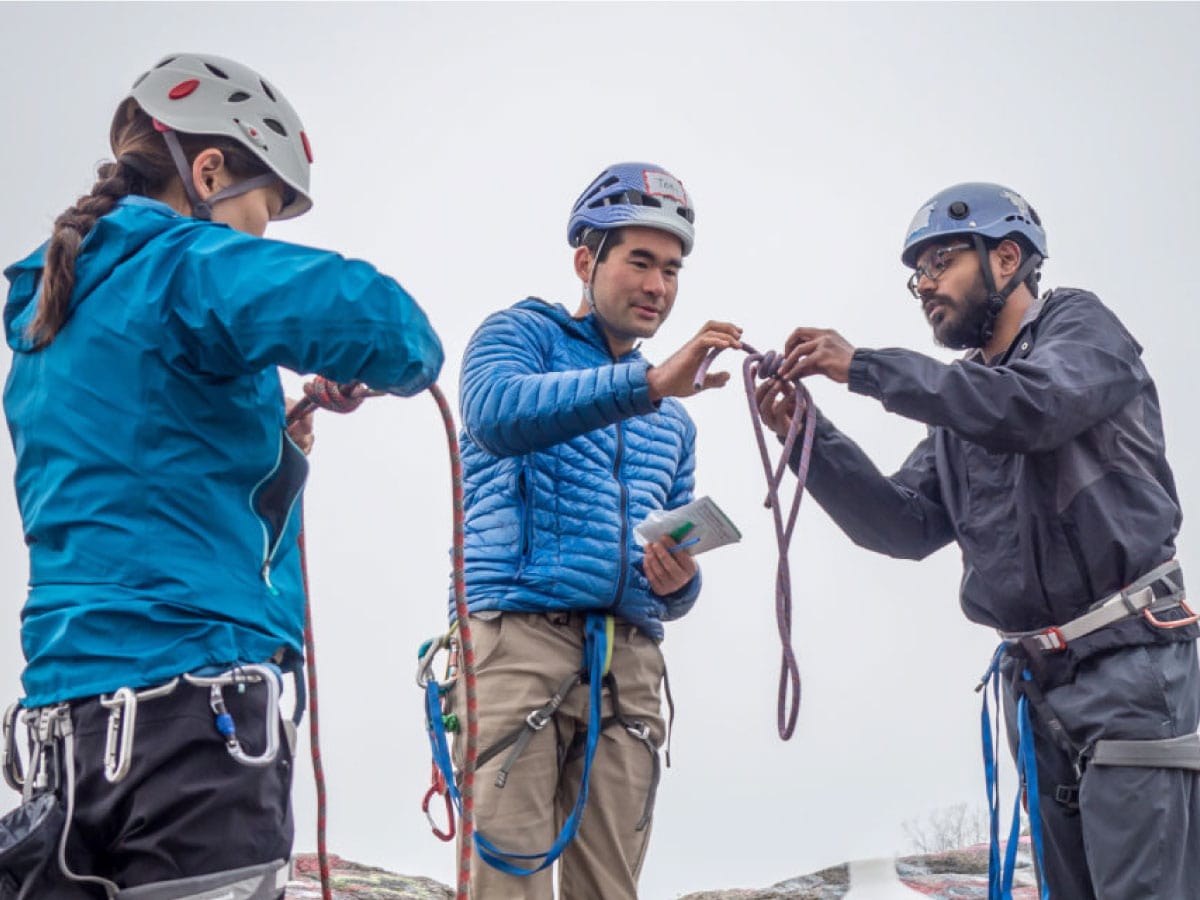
(593, 237)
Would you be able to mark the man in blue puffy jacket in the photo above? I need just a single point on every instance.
(1045, 462)
(571, 438)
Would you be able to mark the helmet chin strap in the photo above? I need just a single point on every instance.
(202, 209)
(587, 288)
(997, 298)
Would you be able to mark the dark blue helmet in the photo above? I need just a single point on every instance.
(989, 210)
(636, 194)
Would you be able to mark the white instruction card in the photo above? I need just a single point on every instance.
(701, 520)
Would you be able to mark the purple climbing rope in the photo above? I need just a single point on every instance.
(761, 366)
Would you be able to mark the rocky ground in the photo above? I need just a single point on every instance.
(954, 875)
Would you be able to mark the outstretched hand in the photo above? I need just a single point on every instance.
(817, 351)
(674, 377)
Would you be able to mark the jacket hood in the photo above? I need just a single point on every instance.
(133, 223)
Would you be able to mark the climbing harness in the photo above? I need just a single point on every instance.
(767, 365)
(51, 768)
(344, 398)
(1137, 599)
(598, 632)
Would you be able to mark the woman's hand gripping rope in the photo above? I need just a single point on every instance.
(321, 392)
(768, 367)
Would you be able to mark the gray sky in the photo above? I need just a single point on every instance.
(450, 141)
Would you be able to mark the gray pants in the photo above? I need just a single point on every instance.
(1136, 832)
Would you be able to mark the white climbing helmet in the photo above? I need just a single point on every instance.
(198, 93)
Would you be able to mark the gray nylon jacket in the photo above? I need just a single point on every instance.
(1047, 466)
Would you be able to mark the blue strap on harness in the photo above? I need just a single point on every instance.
(595, 657)
(1000, 877)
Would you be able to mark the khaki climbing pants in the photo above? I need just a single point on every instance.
(521, 660)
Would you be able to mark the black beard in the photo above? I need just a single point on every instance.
(966, 326)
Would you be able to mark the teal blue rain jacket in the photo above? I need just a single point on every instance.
(156, 484)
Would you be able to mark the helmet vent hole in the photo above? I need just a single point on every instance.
(216, 71)
(598, 187)
(276, 127)
(238, 97)
(267, 89)
(166, 62)
(140, 80)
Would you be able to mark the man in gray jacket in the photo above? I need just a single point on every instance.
(1045, 462)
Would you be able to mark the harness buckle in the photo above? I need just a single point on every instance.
(638, 729)
(537, 720)
(1052, 639)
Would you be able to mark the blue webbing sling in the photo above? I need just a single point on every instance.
(595, 662)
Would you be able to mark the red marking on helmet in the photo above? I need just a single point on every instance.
(184, 88)
(159, 126)
(253, 133)
(307, 148)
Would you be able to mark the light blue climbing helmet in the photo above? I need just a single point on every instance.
(973, 208)
(637, 194)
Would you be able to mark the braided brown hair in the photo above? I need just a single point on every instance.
(144, 167)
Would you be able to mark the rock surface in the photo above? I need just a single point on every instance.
(953, 875)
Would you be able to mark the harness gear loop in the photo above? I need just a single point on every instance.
(762, 366)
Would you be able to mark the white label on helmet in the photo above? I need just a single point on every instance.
(1019, 202)
(921, 219)
(660, 184)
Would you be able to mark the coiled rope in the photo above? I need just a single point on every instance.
(764, 366)
(345, 398)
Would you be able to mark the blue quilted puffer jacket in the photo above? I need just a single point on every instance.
(564, 453)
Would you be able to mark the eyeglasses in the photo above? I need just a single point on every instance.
(936, 266)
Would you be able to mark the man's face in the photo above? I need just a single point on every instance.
(634, 288)
(952, 293)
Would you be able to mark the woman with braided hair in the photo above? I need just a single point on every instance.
(157, 487)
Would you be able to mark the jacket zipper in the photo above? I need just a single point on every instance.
(624, 516)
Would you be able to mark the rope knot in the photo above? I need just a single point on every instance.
(330, 395)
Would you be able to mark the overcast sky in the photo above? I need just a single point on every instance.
(450, 141)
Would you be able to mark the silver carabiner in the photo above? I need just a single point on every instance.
(10, 757)
(429, 652)
(118, 743)
(248, 675)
